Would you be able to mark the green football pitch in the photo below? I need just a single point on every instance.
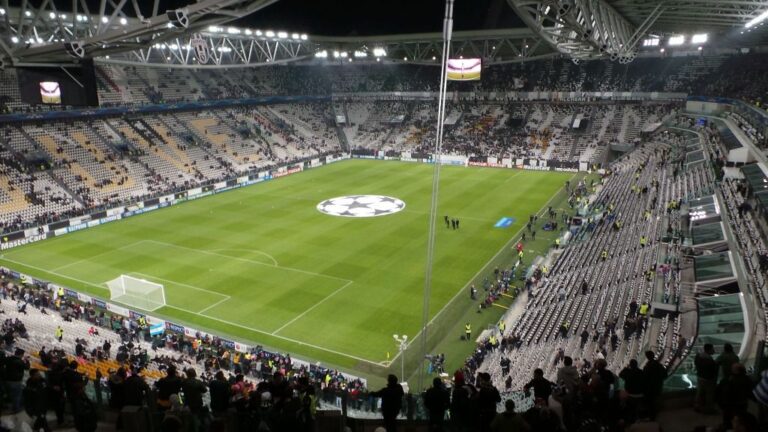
(263, 265)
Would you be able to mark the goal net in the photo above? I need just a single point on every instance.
(139, 293)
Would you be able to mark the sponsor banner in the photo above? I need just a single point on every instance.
(282, 172)
(119, 310)
(77, 227)
(84, 298)
(115, 211)
(264, 174)
(504, 222)
(92, 224)
(241, 347)
(110, 218)
(174, 327)
(190, 332)
(315, 163)
(242, 180)
(79, 220)
(134, 315)
(227, 344)
(167, 199)
(60, 231)
(392, 158)
(220, 185)
(70, 293)
(101, 304)
(35, 231)
(150, 208)
(21, 241)
(195, 191)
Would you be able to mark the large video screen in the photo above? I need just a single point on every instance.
(71, 86)
(464, 69)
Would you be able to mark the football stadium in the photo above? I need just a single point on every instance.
(274, 215)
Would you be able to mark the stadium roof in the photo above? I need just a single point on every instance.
(229, 31)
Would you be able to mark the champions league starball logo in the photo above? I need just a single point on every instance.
(361, 206)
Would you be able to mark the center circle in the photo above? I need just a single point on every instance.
(360, 206)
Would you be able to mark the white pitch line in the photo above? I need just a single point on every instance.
(247, 250)
(287, 339)
(463, 288)
(301, 315)
(248, 261)
(215, 304)
(298, 342)
(180, 284)
(97, 255)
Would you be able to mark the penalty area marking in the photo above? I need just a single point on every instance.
(506, 245)
(274, 261)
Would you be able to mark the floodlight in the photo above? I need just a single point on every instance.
(104, 19)
(27, 14)
(270, 33)
(757, 20)
(123, 21)
(321, 54)
(63, 16)
(650, 42)
(258, 32)
(248, 32)
(282, 35)
(303, 37)
(2, 11)
(14, 39)
(51, 15)
(405, 58)
(343, 54)
(379, 52)
(294, 36)
(233, 30)
(676, 40)
(699, 38)
(360, 54)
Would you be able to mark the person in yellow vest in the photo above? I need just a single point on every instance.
(643, 241)
(60, 292)
(520, 256)
(59, 333)
(492, 340)
(468, 331)
(604, 255)
(647, 215)
(644, 309)
(557, 243)
(502, 327)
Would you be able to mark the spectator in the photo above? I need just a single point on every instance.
(220, 393)
(654, 374)
(83, 410)
(706, 376)
(136, 389)
(15, 366)
(193, 398)
(391, 402)
(166, 386)
(634, 388)
(542, 388)
(36, 400)
(487, 399)
(509, 421)
(436, 401)
(734, 393)
(725, 360)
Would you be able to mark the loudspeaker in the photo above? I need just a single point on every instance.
(178, 18)
(75, 49)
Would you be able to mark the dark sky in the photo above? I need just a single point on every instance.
(374, 17)
(356, 17)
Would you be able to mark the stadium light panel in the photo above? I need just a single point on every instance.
(379, 52)
(336, 54)
(295, 36)
(651, 42)
(361, 54)
(104, 19)
(405, 58)
(233, 30)
(343, 54)
(63, 16)
(248, 32)
(282, 35)
(51, 15)
(123, 21)
(699, 38)
(757, 20)
(2, 11)
(169, 25)
(27, 14)
(270, 33)
(14, 39)
(258, 33)
(676, 40)
(303, 36)
(321, 54)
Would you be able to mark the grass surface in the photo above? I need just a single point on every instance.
(263, 265)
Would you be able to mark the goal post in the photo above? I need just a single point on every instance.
(138, 293)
